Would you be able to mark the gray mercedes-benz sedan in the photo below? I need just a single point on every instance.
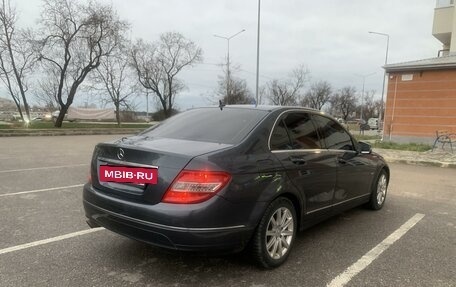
(226, 178)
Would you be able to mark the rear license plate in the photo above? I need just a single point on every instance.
(124, 174)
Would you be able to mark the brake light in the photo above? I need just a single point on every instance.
(192, 186)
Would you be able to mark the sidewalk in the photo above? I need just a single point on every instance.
(438, 157)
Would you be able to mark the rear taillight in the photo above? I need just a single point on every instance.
(192, 186)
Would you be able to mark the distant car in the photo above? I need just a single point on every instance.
(55, 115)
(373, 123)
(341, 120)
(359, 121)
(222, 179)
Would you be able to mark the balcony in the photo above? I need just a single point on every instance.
(443, 21)
(444, 3)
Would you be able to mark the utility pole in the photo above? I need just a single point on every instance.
(380, 116)
(258, 55)
(362, 96)
(228, 77)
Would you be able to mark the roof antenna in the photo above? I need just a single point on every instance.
(221, 105)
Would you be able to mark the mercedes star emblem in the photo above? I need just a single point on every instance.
(120, 153)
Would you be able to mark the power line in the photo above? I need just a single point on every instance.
(201, 85)
(241, 70)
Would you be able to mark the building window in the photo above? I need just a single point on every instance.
(445, 3)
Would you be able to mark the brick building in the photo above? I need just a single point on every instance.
(421, 99)
(421, 95)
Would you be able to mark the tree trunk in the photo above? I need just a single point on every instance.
(64, 107)
(18, 105)
(167, 112)
(165, 107)
(26, 105)
(16, 74)
(170, 97)
(61, 117)
(117, 114)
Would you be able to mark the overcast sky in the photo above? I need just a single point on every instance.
(329, 37)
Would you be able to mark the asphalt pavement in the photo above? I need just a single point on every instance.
(44, 240)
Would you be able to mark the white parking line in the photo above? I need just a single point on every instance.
(40, 190)
(44, 167)
(49, 240)
(374, 253)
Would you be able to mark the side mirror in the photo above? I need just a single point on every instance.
(365, 148)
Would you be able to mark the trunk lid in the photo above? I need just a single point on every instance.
(169, 156)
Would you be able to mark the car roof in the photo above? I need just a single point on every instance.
(269, 108)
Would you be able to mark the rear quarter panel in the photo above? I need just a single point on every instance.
(257, 176)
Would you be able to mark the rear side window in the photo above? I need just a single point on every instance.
(295, 131)
(302, 131)
(227, 126)
(332, 134)
(279, 138)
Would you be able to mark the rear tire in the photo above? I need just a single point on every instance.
(379, 191)
(275, 234)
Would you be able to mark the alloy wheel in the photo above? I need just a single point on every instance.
(382, 186)
(279, 233)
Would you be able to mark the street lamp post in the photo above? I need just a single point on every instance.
(380, 120)
(258, 56)
(228, 59)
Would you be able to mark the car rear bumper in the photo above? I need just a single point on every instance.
(106, 213)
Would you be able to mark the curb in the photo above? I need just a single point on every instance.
(68, 132)
(421, 162)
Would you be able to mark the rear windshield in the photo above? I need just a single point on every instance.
(229, 126)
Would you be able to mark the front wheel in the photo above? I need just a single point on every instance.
(379, 191)
(275, 234)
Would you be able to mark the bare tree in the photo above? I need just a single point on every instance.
(262, 95)
(288, 92)
(318, 95)
(368, 102)
(158, 64)
(280, 94)
(232, 89)
(378, 108)
(239, 92)
(343, 103)
(114, 78)
(17, 58)
(46, 94)
(76, 38)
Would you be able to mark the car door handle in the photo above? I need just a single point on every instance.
(297, 160)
